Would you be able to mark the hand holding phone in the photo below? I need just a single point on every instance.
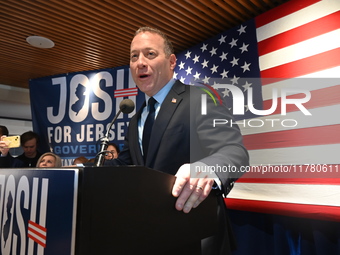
(13, 141)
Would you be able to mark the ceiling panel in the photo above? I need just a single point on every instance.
(91, 35)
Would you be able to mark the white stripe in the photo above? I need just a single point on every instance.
(37, 229)
(322, 116)
(126, 91)
(307, 84)
(327, 195)
(33, 216)
(328, 73)
(36, 237)
(125, 94)
(296, 19)
(320, 154)
(305, 49)
(43, 209)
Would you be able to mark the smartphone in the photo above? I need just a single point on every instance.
(14, 141)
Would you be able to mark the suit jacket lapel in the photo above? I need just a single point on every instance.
(169, 106)
(134, 140)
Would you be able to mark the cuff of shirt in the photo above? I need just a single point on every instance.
(202, 167)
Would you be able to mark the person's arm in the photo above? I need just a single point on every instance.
(4, 147)
(5, 157)
(225, 154)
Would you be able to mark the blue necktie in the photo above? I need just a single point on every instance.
(148, 126)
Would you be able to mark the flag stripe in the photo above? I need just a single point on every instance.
(283, 10)
(292, 179)
(296, 19)
(37, 233)
(319, 98)
(321, 154)
(304, 66)
(299, 84)
(292, 174)
(301, 50)
(325, 74)
(321, 116)
(312, 29)
(296, 137)
(125, 95)
(36, 225)
(37, 240)
(289, 209)
(320, 194)
(125, 92)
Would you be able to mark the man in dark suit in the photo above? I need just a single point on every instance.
(183, 141)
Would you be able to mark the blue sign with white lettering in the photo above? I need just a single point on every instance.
(71, 112)
(38, 211)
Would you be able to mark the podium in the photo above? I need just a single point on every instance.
(96, 210)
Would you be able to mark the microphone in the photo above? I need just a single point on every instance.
(126, 106)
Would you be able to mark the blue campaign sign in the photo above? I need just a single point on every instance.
(38, 211)
(71, 112)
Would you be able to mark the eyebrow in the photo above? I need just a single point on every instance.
(148, 48)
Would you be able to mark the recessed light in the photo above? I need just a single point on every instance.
(40, 42)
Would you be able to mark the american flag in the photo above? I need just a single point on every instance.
(294, 46)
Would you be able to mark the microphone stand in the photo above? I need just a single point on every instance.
(100, 157)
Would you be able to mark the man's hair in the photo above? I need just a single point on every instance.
(29, 135)
(3, 130)
(168, 48)
(114, 145)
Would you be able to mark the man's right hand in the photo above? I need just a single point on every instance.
(4, 146)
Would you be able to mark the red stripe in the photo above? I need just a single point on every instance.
(299, 174)
(125, 95)
(319, 98)
(327, 174)
(307, 31)
(37, 240)
(319, 62)
(283, 10)
(43, 236)
(319, 212)
(292, 180)
(125, 90)
(293, 138)
(37, 225)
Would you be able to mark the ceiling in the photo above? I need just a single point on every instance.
(90, 35)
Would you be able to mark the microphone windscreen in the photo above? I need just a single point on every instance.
(127, 106)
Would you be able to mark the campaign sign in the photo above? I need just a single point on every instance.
(72, 112)
(38, 211)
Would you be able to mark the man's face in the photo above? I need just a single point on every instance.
(30, 148)
(150, 67)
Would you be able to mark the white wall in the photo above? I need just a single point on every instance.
(16, 127)
(14, 103)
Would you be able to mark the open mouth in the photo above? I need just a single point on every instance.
(143, 76)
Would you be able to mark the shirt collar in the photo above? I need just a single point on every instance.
(160, 95)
